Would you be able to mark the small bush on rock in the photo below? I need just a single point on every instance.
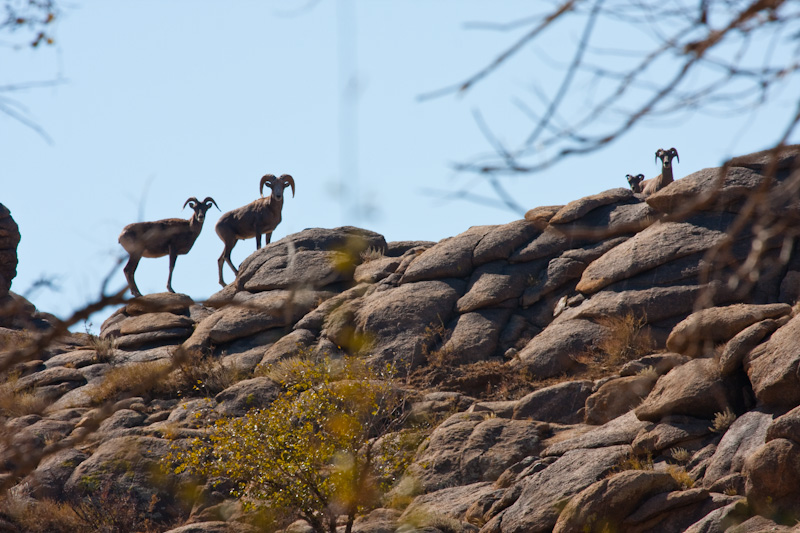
(316, 452)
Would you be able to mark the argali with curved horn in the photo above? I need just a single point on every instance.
(635, 182)
(259, 217)
(171, 236)
(665, 178)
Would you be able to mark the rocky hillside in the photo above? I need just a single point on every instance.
(614, 364)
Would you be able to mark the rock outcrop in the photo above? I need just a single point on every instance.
(612, 364)
(9, 239)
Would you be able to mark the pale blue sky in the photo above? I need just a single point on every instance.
(161, 101)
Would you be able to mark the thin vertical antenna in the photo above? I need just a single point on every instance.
(348, 111)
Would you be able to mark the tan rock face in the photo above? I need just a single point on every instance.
(657, 245)
(700, 331)
(604, 505)
(9, 239)
(773, 365)
(617, 397)
(695, 389)
(773, 478)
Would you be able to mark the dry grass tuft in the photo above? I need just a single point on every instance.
(723, 420)
(682, 455)
(42, 516)
(486, 380)
(371, 254)
(201, 374)
(19, 403)
(133, 378)
(648, 372)
(679, 474)
(104, 347)
(634, 462)
(627, 339)
(12, 339)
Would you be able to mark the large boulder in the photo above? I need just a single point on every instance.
(694, 389)
(555, 350)
(562, 403)
(735, 351)
(536, 509)
(475, 335)
(470, 448)
(654, 246)
(616, 397)
(450, 258)
(742, 439)
(394, 322)
(497, 283)
(654, 303)
(702, 330)
(773, 479)
(621, 430)
(128, 467)
(604, 505)
(716, 188)
(312, 258)
(500, 241)
(578, 208)
(451, 502)
(773, 367)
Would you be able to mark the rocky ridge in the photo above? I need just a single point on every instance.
(697, 431)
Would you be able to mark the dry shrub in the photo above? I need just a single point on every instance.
(19, 403)
(487, 380)
(41, 516)
(723, 420)
(682, 455)
(648, 372)
(627, 339)
(113, 509)
(371, 254)
(426, 518)
(680, 475)
(104, 347)
(134, 378)
(306, 369)
(12, 339)
(634, 462)
(201, 374)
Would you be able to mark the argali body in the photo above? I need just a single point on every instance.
(665, 178)
(171, 236)
(259, 217)
(635, 182)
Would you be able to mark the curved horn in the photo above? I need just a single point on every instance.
(192, 199)
(659, 151)
(640, 176)
(673, 150)
(266, 178)
(211, 200)
(289, 180)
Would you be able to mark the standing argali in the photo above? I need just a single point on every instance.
(171, 236)
(653, 185)
(257, 217)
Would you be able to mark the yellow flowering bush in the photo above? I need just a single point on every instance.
(316, 451)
